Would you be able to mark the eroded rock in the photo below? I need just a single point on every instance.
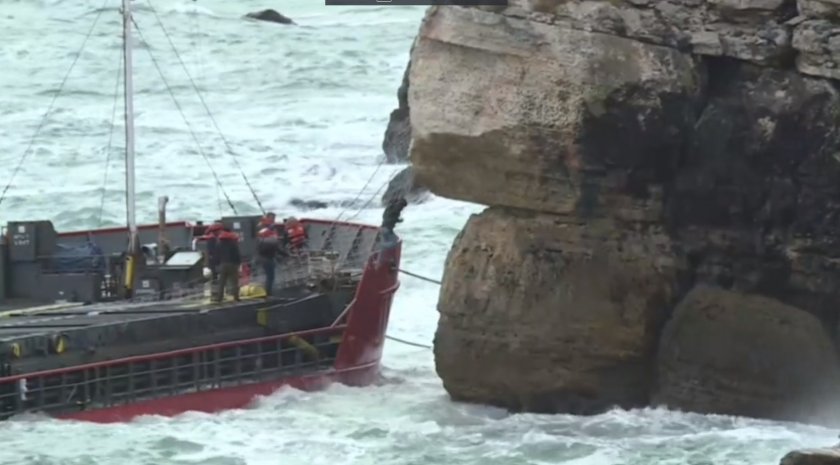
(812, 457)
(398, 132)
(405, 185)
(737, 354)
(631, 151)
(525, 324)
(539, 117)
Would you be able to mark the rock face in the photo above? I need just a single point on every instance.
(729, 375)
(398, 133)
(405, 185)
(812, 457)
(663, 180)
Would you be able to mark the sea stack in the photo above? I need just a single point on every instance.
(663, 190)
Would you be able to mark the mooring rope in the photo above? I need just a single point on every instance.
(408, 343)
(415, 275)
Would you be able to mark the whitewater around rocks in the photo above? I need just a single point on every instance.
(305, 108)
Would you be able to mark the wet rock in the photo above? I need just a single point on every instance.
(398, 133)
(812, 457)
(540, 314)
(405, 185)
(631, 152)
(270, 16)
(566, 121)
(308, 204)
(737, 354)
(754, 205)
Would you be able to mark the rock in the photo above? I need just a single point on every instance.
(398, 133)
(756, 209)
(308, 204)
(818, 41)
(812, 457)
(543, 315)
(270, 16)
(819, 8)
(404, 185)
(736, 354)
(630, 152)
(566, 121)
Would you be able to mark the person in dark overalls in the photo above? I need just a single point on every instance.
(224, 255)
(391, 217)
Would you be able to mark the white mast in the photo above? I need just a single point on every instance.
(129, 130)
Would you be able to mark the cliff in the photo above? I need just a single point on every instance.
(663, 184)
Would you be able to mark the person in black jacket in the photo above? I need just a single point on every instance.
(223, 250)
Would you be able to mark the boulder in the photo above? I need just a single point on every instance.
(539, 117)
(812, 457)
(270, 16)
(736, 354)
(405, 185)
(543, 315)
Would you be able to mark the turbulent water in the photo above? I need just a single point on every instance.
(304, 108)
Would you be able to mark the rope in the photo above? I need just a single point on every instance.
(408, 343)
(184, 117)
(110, 140)
(414, 275)
(28, 149)
(206, 108)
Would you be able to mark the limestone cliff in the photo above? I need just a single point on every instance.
(663, 180)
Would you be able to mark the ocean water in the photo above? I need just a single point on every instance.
(304, 109)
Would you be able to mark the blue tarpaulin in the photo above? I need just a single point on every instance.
(81, 258)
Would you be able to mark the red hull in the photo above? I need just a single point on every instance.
(218, 400)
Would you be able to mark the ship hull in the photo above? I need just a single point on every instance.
(120, 362)
(222, 399)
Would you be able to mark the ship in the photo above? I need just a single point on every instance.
(108, 324)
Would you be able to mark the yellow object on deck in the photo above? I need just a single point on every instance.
(129, 272)
(251, 291)
(306, 347)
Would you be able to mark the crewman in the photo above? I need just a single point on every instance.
(296, 234)
(209, 236)
(391, 215)
(269, 221)
(223, 250)
(268, 246)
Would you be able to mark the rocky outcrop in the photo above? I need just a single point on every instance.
(398, 132)
(520, 303)
(270, 16)
(405, 185)
(812, 457)
(664, 189)
(708, 358)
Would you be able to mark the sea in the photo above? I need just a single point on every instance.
(300, 110)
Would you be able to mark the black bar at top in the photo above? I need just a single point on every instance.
(417, 2)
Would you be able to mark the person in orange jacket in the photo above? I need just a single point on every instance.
(224, 255)
(268, 247)
(295, 234)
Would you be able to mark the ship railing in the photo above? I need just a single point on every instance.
(178, 372)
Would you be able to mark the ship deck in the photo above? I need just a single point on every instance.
(27, 318)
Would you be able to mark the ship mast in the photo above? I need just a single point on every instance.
(131, 219)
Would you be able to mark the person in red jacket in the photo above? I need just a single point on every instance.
(295, 234)
(223, 253)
